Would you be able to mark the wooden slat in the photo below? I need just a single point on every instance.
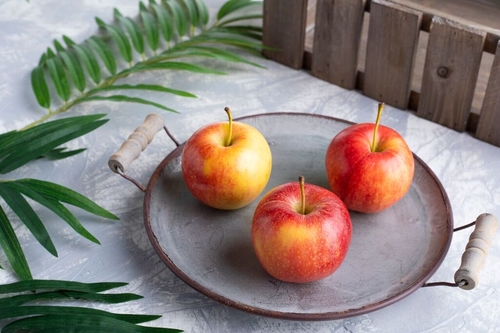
(479, 14)
(488, 128)
(448, 9)
(390, 52)
(450, 73)
(336, 39)
(284, 29)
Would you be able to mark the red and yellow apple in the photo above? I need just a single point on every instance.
(300, 232)
(226, 165)
(369, 166)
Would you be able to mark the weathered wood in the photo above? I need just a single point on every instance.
(488, 128)
(483, 15)
(450, 73)
(390, 52)
(480, 19)
(336, 39)
(284, 29)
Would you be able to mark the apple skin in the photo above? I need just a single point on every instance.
(300, 248)
(226, 177)
(367, 181)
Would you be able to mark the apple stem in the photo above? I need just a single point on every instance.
(230, 134)
(302, 195)
(377, 122)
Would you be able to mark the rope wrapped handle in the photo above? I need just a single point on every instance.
(476, 251)
(136, 143)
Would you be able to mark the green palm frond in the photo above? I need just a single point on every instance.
(232, 6)
(165, 30)
(55, 318)
(166, 36)
(20, 147)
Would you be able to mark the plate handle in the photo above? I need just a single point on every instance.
(476, 250)
(136, 143)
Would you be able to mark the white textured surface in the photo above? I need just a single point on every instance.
(467, 168)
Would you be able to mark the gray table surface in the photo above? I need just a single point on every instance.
(467, 168)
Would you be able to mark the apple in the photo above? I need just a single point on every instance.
(226, 165)
(300, 232)
(369, 166)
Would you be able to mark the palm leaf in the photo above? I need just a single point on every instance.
(119, 37)
(6, 140)
(204, 51)
(178, 15)
(42, 60)
(104, 52)
(239, 18)
(12, 248)
(49, 195)
(30, 285)
(173, 19)
(39, 86)
(63, 213)
(202, 9)
(124, 98)
(148, 87)
(58, 75)
(177, 66)
(164, 20)
(19, 140)
(74, 68)
(79, 323)
(66, 294)
(189, 7)
(49, 54)
(240, 31)
(133, 30)
(28, 216)
(223, 54)
(49, 318)
(22, 147)
(58, 46)
(87, 57)
(150, 26)
(248, 45)
(232, 6)
(61, 153)
(59, 193)
(69, 311)
(85, 72)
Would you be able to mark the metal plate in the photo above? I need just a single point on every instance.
(392, 253)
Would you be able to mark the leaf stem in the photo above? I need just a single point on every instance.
(230, 134)
(302, 195)
(377, 122)
(49, 115)
(215, 24)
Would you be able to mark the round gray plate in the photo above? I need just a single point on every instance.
(392, 253)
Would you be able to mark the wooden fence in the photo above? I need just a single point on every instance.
(406, 57)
